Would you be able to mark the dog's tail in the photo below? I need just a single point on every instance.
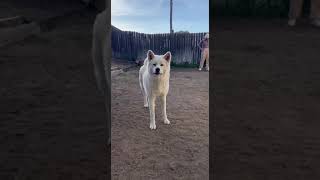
(141, 80)
(141, 71)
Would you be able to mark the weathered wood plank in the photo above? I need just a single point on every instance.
(134, 45)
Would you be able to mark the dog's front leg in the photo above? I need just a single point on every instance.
(152, 112)
(164, 109)
(145, 101)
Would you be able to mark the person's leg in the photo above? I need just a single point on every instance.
(294, 11)
(207, 58)
(315, 12)
(203, 58)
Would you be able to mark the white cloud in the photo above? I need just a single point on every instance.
(125, 26)
(134, 7)
(121, 8)
(142, 26)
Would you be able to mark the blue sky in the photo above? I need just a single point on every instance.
(152, 16)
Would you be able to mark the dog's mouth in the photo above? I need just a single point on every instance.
(157, 73)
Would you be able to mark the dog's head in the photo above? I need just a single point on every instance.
(159, 64)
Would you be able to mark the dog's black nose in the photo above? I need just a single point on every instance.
(157, 70)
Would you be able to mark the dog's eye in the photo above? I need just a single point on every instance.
(161, 65)
(154, 64)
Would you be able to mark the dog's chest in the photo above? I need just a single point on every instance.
(160, 86)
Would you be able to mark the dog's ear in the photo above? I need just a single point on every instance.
(167, 56)
(150, 55)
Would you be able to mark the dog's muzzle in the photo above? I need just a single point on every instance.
(157, 71)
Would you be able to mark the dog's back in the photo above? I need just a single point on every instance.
(142, 70)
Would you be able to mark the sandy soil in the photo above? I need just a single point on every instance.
(266, 97)
(52, 120)
(176, 151)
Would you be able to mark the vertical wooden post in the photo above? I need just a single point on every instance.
(171, 30)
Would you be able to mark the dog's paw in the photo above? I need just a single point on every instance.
(153, 126)
(166, 121)
(145, 105)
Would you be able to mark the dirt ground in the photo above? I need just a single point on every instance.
(52, 119)
(176, 151)
(266, 99)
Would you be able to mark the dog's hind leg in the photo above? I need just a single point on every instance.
(164, 109)
(145, 97)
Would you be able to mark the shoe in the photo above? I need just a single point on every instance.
(200, 69)
(292, 22)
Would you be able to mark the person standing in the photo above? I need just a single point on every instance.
(204, 47)
(296, 10)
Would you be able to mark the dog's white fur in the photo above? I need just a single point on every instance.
(154, 78)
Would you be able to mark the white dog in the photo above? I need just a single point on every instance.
(154, 78)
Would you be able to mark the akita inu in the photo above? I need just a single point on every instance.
(154, 78)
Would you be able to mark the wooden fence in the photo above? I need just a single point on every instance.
(134, 46)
